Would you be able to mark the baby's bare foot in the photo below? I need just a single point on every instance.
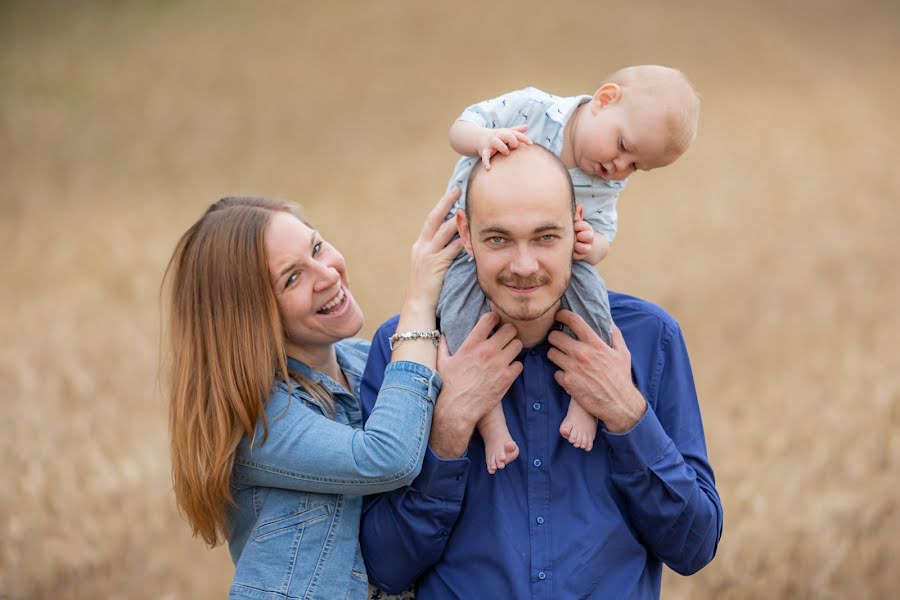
(580, 430)
(501, 454)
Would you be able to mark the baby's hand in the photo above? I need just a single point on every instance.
(500, 140)
(584, 239)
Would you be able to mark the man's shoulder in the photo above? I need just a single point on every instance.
(637, 314)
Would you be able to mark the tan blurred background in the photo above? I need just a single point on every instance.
(773, 242)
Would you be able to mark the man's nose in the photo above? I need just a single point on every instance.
(326, 277)
(524, 262)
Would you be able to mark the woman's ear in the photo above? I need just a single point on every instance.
(462, 226)
(606, 95)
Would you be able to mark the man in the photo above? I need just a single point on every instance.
(558, 522)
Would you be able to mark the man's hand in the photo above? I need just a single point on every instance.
(584, 239)
(503, 140)
(475, 380)
(597, 376)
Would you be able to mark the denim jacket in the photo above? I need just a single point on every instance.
(293, 532)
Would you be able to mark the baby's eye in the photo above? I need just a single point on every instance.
(290, 280)
(622, 145)
(317, 248)
(634, 167)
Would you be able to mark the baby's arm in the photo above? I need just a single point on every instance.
(590, 246)
(597, 217)
(470, 139)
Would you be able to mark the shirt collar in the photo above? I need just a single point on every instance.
(562, 108)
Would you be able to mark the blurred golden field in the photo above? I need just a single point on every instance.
(773, 241)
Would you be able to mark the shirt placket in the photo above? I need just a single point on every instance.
(538, 433)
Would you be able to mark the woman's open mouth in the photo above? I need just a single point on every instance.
(336, 304)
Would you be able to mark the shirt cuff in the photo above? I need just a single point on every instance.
(472, 117)
(639, 447)
(443, 478)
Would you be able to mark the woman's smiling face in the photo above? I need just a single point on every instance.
(309, 278)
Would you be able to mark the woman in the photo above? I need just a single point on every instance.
(268, 450)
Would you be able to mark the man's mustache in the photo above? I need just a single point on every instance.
(535, 280)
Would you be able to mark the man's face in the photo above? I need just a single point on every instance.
(521, 237)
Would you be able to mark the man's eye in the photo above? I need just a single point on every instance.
(495, 240)
(317, 248)
(548, 238)
(290, 280)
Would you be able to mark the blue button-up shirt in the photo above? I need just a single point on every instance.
(558, 522)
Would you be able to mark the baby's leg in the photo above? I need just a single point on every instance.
(579, 427)
(587, 297)
(461, 303)
(499, 447)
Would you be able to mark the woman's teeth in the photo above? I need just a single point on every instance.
(333, 304)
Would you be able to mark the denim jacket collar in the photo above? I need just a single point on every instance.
(348, 362)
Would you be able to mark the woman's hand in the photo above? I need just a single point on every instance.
(432, 254)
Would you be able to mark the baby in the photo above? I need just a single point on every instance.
(640, 118)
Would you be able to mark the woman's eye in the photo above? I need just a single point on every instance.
(317, 248)
(290, 280)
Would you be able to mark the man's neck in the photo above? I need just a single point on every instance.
(532, 332)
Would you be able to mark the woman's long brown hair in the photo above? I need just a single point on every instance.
(226, 348)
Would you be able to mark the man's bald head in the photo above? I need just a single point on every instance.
(519, 165)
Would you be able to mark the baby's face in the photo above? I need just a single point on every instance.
(615, 140)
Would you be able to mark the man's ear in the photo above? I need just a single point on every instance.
(462, 226)
(606, 95)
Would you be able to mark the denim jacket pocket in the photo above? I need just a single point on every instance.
(303, 518)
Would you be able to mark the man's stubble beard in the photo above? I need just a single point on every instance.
(526, 312)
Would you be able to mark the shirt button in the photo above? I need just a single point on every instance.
(537, 462)
(542, 575)
(536, 406)
(540, 520)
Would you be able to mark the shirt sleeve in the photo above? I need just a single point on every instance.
(599, 199)
(661, 467)
(513, 108)
(305, 450)
(404, 532)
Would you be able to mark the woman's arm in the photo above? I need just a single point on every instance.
(306, 451)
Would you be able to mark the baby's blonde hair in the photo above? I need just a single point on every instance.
(680, 101)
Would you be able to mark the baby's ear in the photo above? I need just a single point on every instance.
(579, 212)
(607, 94)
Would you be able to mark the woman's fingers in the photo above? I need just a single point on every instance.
(445, 233)
(436, 217)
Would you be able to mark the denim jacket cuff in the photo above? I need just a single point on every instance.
(406, 372)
